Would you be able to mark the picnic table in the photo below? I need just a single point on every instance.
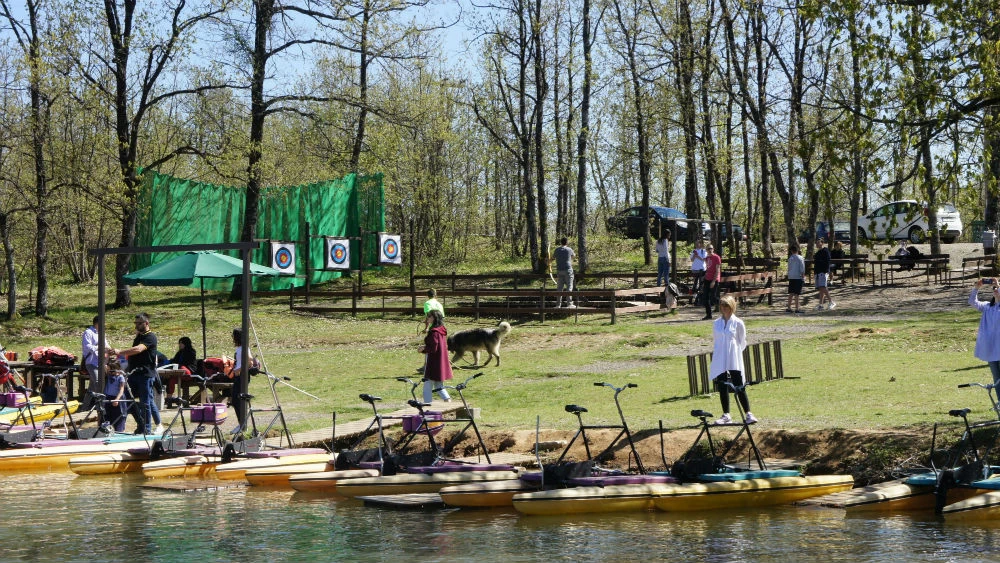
(933, 265)
(33, 374)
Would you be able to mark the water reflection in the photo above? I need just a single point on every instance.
(60, 516)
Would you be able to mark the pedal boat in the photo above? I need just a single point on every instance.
(130, 461)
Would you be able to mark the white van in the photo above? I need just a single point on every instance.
(908, 219)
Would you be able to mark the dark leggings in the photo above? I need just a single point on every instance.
(736, 378)
(707, 293)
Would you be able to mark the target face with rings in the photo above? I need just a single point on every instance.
(338, 253)
(283, 258)
(390, 248)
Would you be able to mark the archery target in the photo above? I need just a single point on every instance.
(389, 249)
(338, 254)
(283, 257)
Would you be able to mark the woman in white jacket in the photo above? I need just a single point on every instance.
(729, 336)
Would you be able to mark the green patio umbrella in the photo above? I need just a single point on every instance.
(190, 267)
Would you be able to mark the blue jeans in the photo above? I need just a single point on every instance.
(995, 370)
(142, 412)
(662, 271)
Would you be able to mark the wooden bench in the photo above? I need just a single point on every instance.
(973, 267)
(748, 285)
(933, 265)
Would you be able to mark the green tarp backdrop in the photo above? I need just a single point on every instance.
(179, 211)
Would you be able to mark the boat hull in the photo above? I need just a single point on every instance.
(984, 506)
(238, 469)
(326, 481)
(189, 466)
(748, 493)
(589, 500)
(492, 494)
(55, 456)
(278, 475)
(109, 464)
(407, 483)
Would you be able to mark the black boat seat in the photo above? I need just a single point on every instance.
(701, 414)
(575, 409)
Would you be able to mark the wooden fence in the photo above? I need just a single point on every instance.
(761, 360)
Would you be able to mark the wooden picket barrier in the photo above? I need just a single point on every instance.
(761, 360)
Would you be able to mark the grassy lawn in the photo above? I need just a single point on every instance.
(845, 374)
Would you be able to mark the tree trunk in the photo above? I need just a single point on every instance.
(581, 143)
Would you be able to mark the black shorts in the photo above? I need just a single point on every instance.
(795, 286)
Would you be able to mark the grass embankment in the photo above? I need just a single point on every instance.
(843, 372)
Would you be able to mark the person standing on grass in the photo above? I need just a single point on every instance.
(729, 339)
(988, 339)
(663, 260)
(713, 275)
(821, 267)
(563, 255)
(796, 275)
(698, 256)
(437, 368)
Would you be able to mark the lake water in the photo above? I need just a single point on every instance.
(59, 516)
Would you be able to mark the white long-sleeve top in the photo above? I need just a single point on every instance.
(729, 339)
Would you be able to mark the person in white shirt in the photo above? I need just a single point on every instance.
(698, 256)
(729, 336)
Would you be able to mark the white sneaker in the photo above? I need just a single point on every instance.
(158, 430)
(726, 419)
(832, 306)
(750, 418)
(819, 307)
(571, 306)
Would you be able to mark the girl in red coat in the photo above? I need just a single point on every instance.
(438, 368)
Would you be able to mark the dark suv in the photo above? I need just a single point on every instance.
(631, 222)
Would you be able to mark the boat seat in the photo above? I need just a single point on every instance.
(369, 398)
(575, 409)
(959, 412)
(698, 413)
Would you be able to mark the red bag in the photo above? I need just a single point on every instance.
(51, 356)
(216, 366)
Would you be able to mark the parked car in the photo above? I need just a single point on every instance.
(738, 233)
(631, 222)
(908, 219)
(841, 232)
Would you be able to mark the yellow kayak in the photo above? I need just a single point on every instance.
(584, 500)
(38, 412)
(984, 506)
(326, 481)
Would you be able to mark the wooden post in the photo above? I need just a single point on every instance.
(453, 280)
(614, 308)
(308, 264)
(692, 376)
(476, 301)
(354, 297)
(768, 364)
(541, 303)
(413, 283)
(703, 366)
(635, 278)
(779, 369)
(756, 362)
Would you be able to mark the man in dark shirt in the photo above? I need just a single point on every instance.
(142, 369)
